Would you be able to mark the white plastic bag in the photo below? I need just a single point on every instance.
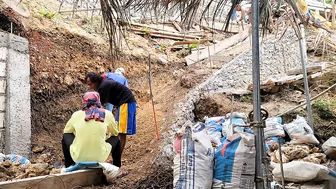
(300, 132)
(274, 127)
(110, 169)
(299, 171)
(193, 162)
(235, 163)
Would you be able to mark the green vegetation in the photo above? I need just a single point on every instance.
(145, 30)
(246, 98)
(193, 46)
(324, 108)
(44, 13)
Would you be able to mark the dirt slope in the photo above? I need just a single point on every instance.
(60, 59)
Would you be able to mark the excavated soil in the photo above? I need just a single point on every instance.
(59, 61)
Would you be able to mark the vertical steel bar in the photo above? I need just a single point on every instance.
(305, 78)
(256, 95)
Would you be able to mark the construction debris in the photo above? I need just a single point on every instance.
(329, 148)
(225, 132)
(294, 76)
(220, 46)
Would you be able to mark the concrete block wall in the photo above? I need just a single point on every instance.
(3, 78)
(15, 109)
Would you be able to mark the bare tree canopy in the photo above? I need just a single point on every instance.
(117, 15)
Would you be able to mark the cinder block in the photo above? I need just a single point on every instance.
(2, 140)
(2, 120)
(3, 53)
(18, 43)
(3, 69)
(3, 39)
(3, 85)
(2, 105)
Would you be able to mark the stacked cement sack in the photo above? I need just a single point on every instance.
(215, 154)
(234, 162)
(220, 153)
(193, 163)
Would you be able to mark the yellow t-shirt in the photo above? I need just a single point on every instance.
(89, 143)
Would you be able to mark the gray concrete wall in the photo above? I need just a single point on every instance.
(15, 110)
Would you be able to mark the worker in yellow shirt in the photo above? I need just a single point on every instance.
(91, 134)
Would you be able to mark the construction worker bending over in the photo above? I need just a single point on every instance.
(91, 134)
(118, 76)
(120, 96)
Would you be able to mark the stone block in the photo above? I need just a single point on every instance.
(3, 39)
(329, 148)
(3, 85)
(2, 104)
(2, 140)
(3, 53)
(2, 120)
(18, 43)
(3, 69)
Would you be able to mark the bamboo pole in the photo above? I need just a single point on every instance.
(78, 10)
(152, 98)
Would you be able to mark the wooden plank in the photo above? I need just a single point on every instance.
(167, 34)
(78, 10)
(222, 45)
(202, 41)
(288, 79)
(177, 27)
(209, 29)
(220, 58)
(220, 26)
(160, 36)
(151, 27)
(81, 178)
(310, 69)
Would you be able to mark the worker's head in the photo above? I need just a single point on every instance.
(92, 107)
(120, 71)
(90, 99)
(93, 80)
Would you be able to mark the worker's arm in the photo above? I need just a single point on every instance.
(69, 127)
(126, 83)
(112, 124)
(102, 96)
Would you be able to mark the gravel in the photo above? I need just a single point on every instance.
(276, 57)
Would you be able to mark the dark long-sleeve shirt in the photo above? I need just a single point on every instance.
(115, 93)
